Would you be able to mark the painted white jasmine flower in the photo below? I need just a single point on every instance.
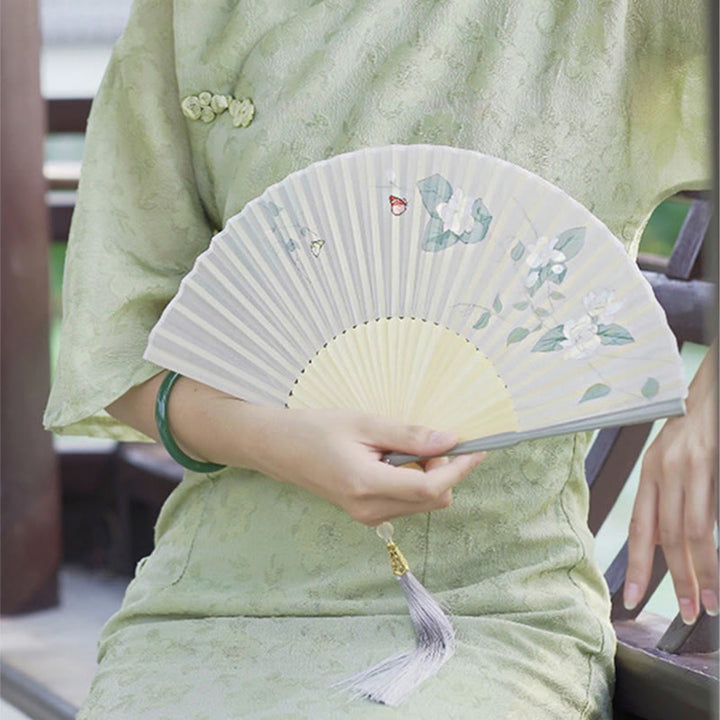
(456, 213)
(542, 252)
(600, 304)
(581, 337)
(206, 114)
(219, 103)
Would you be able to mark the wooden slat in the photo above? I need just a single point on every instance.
(62, 206)
(67, 115)
(62, 175)
(701, 637)
(689, 240)
(607, 466)
(653, 263)
(688, 304)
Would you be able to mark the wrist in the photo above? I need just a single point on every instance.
(213, 426)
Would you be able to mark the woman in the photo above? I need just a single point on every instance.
(259, 594)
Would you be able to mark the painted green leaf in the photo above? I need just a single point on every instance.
(521, 305)
(557, 279)
(517, 334)
(541, 312)
(497, 304)
(271, 209)
(434, 190)
(517, 252)
(483, 320)
(435, 238)
(551, 340)
(570, 242)
(650, 388)
(556, 295)
(543, 275)
(595, 391)
(480, 227)
(614, 335)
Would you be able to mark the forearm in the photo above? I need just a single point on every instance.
(335, 454)
(207, 423)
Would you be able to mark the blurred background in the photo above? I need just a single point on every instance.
(104, 497)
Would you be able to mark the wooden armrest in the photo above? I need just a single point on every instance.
(657, 685)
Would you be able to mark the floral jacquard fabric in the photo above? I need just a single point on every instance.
(259, 595)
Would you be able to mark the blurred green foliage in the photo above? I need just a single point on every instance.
(664, 225)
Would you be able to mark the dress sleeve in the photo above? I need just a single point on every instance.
(667, 55)
(137, 228)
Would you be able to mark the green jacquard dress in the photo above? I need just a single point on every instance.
(258, 594)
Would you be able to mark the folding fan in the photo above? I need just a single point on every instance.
(434, 285)
(437, 286)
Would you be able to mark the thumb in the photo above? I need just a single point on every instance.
(390, 435)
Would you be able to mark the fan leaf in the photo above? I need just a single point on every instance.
(595, 391)
(551, 340)
(497, 304)
(521, 305)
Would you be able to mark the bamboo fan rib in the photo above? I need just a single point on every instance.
(474, 400)
(435, 285)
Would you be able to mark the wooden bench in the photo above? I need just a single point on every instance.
(663, 673)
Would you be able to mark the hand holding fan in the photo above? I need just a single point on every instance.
(437, 286)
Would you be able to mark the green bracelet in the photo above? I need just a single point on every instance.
(161, 420)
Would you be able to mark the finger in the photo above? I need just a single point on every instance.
(435, 462)
(699, 524)
(677, 553)
(394, 436)
(641, 540)
(412, 486)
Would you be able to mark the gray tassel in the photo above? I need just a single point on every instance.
(392, 680)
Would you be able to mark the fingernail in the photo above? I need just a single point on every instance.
(631, 596)
(442, 438)
(687, 610)
(710, 601)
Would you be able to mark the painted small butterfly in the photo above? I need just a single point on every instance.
(398, 205)
(316, 246)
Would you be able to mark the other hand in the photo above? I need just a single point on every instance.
(676, 504)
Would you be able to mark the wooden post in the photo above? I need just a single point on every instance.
(29, 483)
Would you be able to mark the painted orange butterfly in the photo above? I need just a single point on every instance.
(398, 205)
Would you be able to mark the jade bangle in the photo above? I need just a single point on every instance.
(161, 420)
